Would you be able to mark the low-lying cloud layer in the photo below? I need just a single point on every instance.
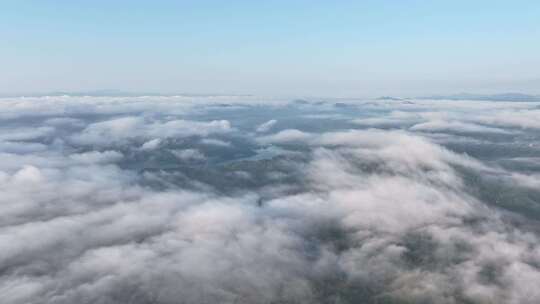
(224, 200)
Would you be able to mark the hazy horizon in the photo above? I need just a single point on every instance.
(501, 95)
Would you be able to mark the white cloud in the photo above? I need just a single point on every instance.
(456, 126)
(286, 136)
(119, 239)
(215, 142)
(20, 134)
(371, 210)
(512, 118)
(265, 127)
(151, 144)
(96, 157)
(189, 154)
(21, 147)
(120, 129)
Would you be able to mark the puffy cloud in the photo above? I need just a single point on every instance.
(189, 154)
(151, 144)
(71, 106)
(286, 136)
(215, 142)
(23, 134)
(513, 118)
(351, 216)
(121, 129)
(21, 147)
(94, 157)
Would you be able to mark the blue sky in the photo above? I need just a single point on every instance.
(276, 48)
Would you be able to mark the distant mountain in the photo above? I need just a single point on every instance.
(495, 97)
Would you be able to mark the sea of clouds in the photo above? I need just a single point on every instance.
(174, 199)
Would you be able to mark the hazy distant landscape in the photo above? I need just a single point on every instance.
(186, 199)
(269, 152)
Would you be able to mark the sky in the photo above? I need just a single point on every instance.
(271, 48)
